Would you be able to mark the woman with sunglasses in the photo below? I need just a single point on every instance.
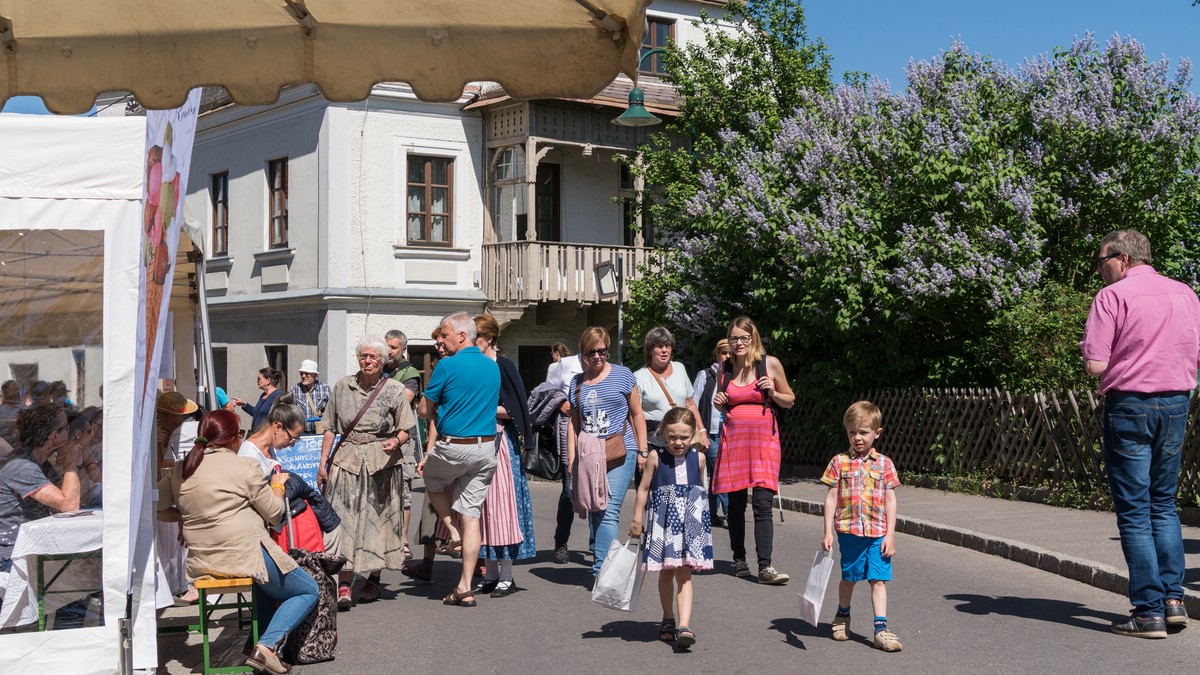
(364, 481)
(750, 453)
(316, 527)
(26, 493)
(268, 382)
(608, 403)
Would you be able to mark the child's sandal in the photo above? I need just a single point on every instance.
(666, 630)
(684, 637)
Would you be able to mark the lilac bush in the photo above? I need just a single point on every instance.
(902, 224)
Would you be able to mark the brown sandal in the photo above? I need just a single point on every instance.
(459, 599)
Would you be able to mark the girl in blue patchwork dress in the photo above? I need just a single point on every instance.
(679, 532)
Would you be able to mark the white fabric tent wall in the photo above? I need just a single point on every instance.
(87, 174)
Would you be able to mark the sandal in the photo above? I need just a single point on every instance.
(666, 630)
(684, 637)
(450, 548)
(407, 551)
(459, 599)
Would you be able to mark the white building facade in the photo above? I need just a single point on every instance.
(326, 222)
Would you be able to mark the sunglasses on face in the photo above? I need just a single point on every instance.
(601, 352)
(1105, 258)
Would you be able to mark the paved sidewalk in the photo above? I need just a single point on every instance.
(1079, 545)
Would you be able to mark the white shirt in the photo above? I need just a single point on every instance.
(248, 449)
(654, 404)
(568, 368)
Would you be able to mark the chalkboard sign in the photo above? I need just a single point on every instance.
(303, 458)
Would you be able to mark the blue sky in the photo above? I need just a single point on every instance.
(880, 36)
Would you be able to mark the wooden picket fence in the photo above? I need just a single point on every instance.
(1038, 439)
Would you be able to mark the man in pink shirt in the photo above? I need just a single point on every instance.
(1142, 339)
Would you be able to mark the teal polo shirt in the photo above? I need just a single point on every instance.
(466, 389)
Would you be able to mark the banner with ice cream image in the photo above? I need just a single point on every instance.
(168, 155)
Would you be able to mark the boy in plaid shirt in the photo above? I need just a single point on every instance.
(861, 507)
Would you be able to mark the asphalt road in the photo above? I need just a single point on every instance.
(955, 611)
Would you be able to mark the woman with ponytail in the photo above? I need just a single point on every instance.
(222, 501)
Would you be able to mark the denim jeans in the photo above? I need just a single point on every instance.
(604, 524)
(297, 594)
(715, 500)
(1143, 436)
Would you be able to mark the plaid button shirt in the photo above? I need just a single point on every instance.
(862, 485)
(320, 396)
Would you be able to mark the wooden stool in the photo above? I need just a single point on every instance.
(242, 588)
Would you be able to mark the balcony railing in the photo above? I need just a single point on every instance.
(523, 273)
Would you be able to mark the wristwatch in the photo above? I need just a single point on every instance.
(644, 453)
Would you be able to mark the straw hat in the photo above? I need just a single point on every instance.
(176, 403)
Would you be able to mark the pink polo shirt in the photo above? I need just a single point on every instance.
(1147, 327)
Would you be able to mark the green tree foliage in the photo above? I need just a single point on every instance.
(944, 235)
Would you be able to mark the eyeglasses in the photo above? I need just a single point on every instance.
(292, 439)
(601, 352)
(1105, 258)
(744, 339)
(369, 358)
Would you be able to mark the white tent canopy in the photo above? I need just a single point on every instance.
(68, 51)
(66, 183)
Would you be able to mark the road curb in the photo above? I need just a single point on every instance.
(1077, 569)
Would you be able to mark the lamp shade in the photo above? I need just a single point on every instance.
(636, 114)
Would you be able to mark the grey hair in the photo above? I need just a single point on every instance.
(1130, 242)
(657, 337)
(373, 342)
(461, 322)
(397, 335)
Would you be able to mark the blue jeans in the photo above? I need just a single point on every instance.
(714, 500)
(1143, 436)
(603, 525)
(297, 594)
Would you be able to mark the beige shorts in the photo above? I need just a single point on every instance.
(465, 470)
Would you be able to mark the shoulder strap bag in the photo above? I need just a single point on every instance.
(354, 422)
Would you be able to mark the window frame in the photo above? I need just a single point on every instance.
(429, 186)
(218, 186)
(654, 66)
(277, 203)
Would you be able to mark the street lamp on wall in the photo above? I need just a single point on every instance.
(636, 114)
(610, 283)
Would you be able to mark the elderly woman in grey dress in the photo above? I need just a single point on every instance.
(364, 476)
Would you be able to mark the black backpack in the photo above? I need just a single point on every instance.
(760, 371)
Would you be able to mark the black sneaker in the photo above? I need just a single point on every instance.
(1176, 613)
(1141, 626)
(561, 555)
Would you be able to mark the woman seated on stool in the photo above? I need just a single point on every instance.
(222, 501)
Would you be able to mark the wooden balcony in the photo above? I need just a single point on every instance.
(522, 273)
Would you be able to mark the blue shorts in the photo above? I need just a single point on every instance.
(861, 559)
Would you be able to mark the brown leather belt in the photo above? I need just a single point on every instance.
(468, 440)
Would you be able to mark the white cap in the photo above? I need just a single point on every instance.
(309, 366)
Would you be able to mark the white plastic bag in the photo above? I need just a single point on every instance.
(814, 590)
(620, 578)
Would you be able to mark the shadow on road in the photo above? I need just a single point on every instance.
(793, 629)
(1041, 609)
(629, 631)
(565, 575)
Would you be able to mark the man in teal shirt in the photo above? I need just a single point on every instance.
(462, 396)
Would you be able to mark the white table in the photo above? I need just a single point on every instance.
(66, 543)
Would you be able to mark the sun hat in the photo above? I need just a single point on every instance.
(175, 403)
(309, 366)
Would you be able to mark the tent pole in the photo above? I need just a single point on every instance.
(204, 345)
